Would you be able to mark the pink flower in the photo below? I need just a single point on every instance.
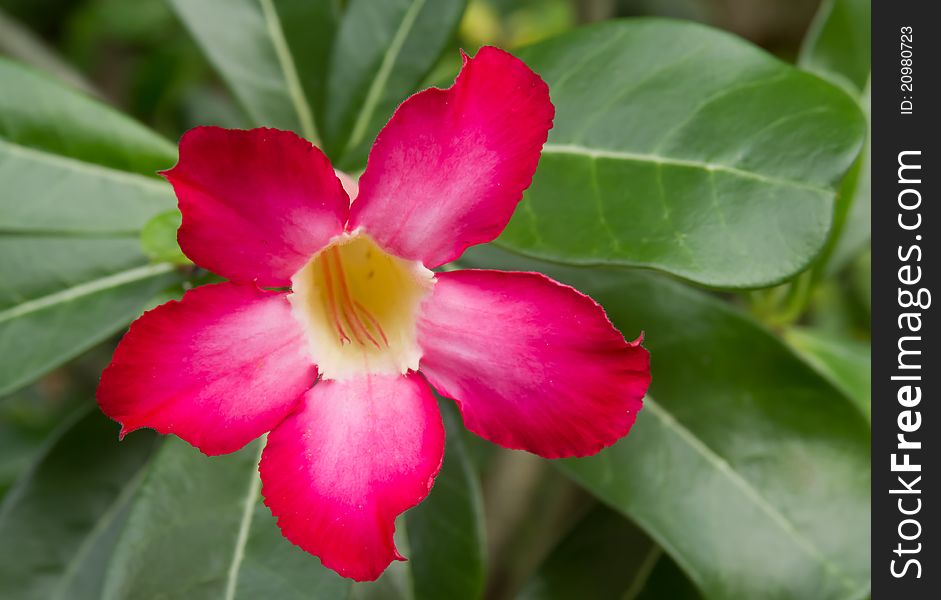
(532, 364)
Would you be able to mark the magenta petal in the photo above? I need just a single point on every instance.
(218, 368)
(256, 204)
(355, 455)
(533, 364)
(449, 168)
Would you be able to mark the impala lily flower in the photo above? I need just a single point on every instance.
(338, 368)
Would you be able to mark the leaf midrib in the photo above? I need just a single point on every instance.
(384, 72)
(84, 167)
(643, 573)
(245, 525)
(16, 493)
(722, 466)
(83, 289)
(288, 70)
(104, 520)
(596, 153)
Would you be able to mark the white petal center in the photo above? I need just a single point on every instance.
(359, 306)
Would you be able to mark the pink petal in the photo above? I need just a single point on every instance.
(218, 368)
(533, 364)
(256, 204)
(449, 168)
(355, 455)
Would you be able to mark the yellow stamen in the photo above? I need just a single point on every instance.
(359, 307)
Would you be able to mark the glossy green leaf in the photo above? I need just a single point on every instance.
(64, 295)
(445, 532)
(839, 47)
(271, 53)
(681, 148)
(845, 362)
(79, 182)
(604, 557)
(749, 468)
(45, 123)
(197, 529)
(839, 43)
(383, 50)
(58, 525)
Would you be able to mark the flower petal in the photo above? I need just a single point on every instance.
(256, 204)
(355, 455)
(533, 364)
(219, 368)
(449, 168)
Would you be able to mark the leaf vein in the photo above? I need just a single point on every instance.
(577, 150)
(750, 492)
(84, 289)
(384, 72)
(288, 69)
(245, 524)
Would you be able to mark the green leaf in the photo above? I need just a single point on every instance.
(750, 469)
(271, 53)
(847, 363)
(79, 182)
(707, 507)
(310, 27)
(383, 50)
(684, 149)
(604, 557)
(839, 43)
(59, 523)
(158, 238)
(42, 121)
(197, 528)
(445, 532)
(65, 295)
(839, 48)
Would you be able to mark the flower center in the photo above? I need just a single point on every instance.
(359, 306)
